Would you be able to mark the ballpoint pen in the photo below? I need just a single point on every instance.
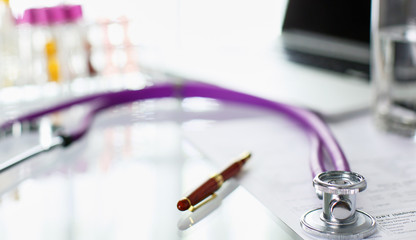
(190, 218)
(213, 184)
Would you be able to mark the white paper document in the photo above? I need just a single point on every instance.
(278, 173)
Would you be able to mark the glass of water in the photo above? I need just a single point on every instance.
(393, 30)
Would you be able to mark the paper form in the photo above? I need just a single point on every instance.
(278, 173)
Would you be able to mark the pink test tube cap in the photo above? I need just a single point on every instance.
(74, 12)
(27, 16)
(38, 16)
(56, 14)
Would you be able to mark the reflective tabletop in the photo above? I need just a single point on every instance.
(123, 182)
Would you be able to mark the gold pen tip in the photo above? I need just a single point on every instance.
(245, 156)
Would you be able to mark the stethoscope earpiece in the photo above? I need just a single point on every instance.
(338, 218)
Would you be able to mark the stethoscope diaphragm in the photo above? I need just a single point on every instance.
(338, 217)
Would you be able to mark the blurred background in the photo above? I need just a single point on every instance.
(59, 48)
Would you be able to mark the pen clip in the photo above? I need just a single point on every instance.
(194, 208)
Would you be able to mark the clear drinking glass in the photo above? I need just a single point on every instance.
(393, 30)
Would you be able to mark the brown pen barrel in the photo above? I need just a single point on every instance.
(231, 171)
(206, 189)
(212, 184)
(234, 168)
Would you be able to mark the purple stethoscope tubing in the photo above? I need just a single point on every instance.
(319, 133)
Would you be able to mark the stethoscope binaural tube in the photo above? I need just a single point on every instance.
(99, 102)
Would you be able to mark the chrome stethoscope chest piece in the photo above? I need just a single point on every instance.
(338, 217)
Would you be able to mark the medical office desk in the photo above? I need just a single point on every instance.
(124, 179)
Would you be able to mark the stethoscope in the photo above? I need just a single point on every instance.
(338, 218)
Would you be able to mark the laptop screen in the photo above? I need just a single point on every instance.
(330, 29)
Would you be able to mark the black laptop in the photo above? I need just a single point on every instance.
(330, 34)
